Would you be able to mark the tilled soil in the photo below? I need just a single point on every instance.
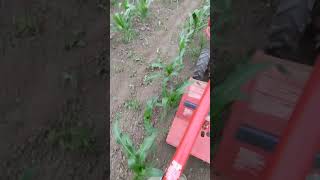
(129, 65)
(53, 70)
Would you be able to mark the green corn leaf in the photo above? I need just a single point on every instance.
(159, 65)
(164, 102)
(132, 162)
(146, 146)
(147, 116)
(124, 140)
(119, 21)
(153, 76)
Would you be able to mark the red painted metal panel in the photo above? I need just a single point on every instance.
(300, 141)
(190, 137)
(272, 98)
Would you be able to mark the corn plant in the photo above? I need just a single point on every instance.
(171, 97)
(167, 71)
(148, 114)
(143, 7)
(137, 157)
(122, 20)
(197, 20)
(183, 40)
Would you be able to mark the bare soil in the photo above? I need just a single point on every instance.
(130, 64)
(49, 76)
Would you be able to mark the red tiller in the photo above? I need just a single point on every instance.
(299, 143)
(184, 149)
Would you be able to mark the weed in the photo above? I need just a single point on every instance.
(137, 157)
(143, 8)
(132, 104)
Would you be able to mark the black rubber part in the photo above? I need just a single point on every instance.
(202, 65)
(288, 26)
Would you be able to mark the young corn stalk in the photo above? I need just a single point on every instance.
(143, 7)
(171, 97)
(137, 156)
(197, 20)
(148, 114)
(123, 20)
(167, 71)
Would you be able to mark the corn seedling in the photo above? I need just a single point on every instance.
(137, 157)
(143, 7)
(197, 20)
(122, 20)
(132, 104)
(148, 114)
(168, 71)
(183, 40)
(171, 97)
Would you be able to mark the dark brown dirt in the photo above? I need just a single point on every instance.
(50, 77)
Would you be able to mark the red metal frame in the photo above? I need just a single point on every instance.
(300, 142)
(183, 151)
(189, 101)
